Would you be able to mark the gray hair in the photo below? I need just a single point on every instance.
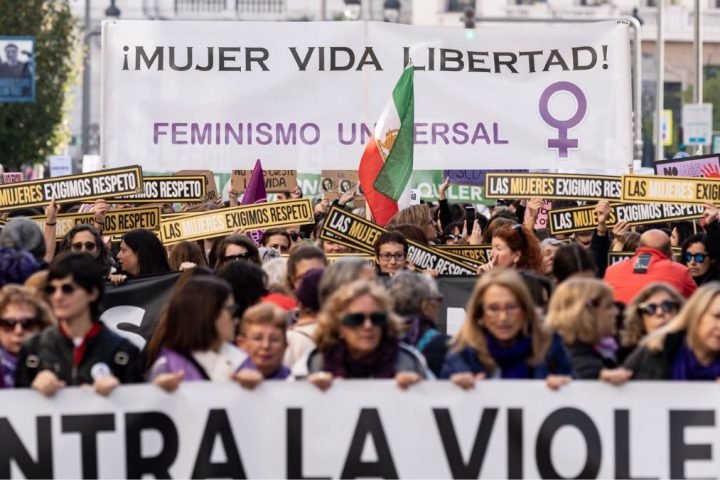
(338, 274)
(409, 289)
(276, 270)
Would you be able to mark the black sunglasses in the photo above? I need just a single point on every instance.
(9, 324)
(667, 306)
(698, 257)
(65, 288)
(453, 237)
(77, 246)
(295, 236)
(379, 319)
(235, 310)
(239, 256)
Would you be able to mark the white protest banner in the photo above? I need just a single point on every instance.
(305, 96)
(501, 429)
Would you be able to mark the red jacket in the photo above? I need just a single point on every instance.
(626, 284)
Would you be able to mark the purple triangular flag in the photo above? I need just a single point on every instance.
(255, 191)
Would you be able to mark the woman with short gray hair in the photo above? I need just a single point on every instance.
(417, 300)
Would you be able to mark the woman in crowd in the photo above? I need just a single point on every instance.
(236, 247)
(680, 232)
(22, 314)
(141, 253)
(248, 283)
(87, 239)
(452, 234)
(194, 338)
(341, 273)
(358, 337)
(583, 312)
(186, 255)
(503, 337)
(514, 247)
(420, 216)
(688, 347)
(549, 248)
(418, 301)
(262, 336)
(391, 251)
(80, 349)
(651, 309)
(303, 259)
(277, 239)
(572, 261)
(697, 256)
(300, 337)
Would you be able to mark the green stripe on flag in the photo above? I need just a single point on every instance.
(398, 167)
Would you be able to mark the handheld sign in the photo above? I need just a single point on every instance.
(477, 253)
(552, 186)
(275, 180)
(700, 166)
(690, 190)
(169, 189)
(580, 219)
(355, 232)
(223, 221)
(117, 221)
(71, 188)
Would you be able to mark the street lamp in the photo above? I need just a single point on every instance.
(391, 11)
(353, 9)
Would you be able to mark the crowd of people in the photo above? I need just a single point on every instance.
(247, 310)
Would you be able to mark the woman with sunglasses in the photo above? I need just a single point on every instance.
(236, 247)
(80, 349)
(358, 337)
(503, 337)
(194, 338)
(686, 348)
(651, 309)
(22, 314)
(696, 255)
(583, 312)
(87, 239)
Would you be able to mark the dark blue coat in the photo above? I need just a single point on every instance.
(557, 362)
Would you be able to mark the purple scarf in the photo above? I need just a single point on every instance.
(379, 364)
(280, 374)
(686, 367)
(8, 366)
(511, 360)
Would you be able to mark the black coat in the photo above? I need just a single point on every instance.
(649, 365)
(587, 362)
(51, 350)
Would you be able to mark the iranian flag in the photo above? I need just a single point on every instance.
(387, 162)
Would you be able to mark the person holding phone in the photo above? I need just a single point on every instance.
(651, 263)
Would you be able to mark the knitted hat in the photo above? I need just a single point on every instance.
(23, 234)
(307, 291)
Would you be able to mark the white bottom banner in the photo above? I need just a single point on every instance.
(505, 429)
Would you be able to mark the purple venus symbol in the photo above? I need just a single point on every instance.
(563, 143)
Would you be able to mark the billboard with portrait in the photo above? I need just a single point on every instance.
(17, 72)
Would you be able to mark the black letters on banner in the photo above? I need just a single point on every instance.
(158, 465)
(88, 426)
(294, 445)
(680, 451)
(453, 452)
(622, 446)
(554, 422)
(13, 450)
(369, 425)
(218, 423)
(515, 442)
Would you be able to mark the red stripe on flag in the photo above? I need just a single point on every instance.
(382, 207)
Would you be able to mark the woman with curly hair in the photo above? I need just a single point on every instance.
(87, 239)
(514, 247)
(358, 336)
(651, 309)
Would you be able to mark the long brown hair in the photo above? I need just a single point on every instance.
(472, 332)
(188, 323)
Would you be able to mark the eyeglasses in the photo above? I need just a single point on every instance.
(453, 237)
(495, 309)
(378, 319)
(65, 288)
(668, 306)
(9, 324)
(698, 257)
(295, 236)
(398, 257)
(78, 246)
(232, 258)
